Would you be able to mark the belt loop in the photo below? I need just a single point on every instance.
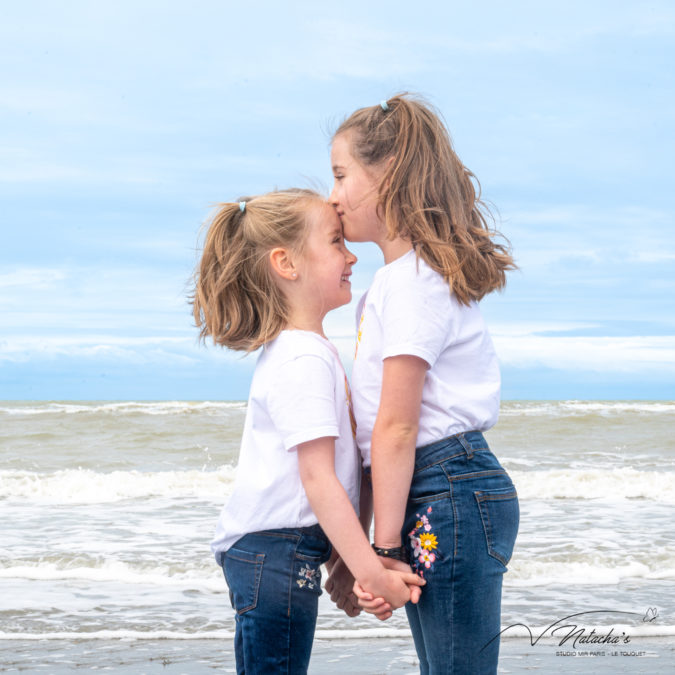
(466, 445)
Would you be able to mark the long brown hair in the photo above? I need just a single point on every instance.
(428, 196)
(235, 299)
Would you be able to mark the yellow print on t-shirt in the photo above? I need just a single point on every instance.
(359, 333)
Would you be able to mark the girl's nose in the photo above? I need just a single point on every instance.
(351, 258)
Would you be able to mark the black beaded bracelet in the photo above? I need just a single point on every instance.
(398, 553)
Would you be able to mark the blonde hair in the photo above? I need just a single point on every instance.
(427, 195)
(235, 298)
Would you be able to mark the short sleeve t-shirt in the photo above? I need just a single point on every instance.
(298, 393)
(409, 310)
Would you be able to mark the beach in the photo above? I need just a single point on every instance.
(329, 657)
(109, 508)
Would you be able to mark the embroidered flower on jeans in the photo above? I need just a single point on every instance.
(427, 558)
(423, 542)
(308, 577)
(428, 541)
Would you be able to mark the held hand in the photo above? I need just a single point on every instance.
(393, 586)
(339, 584)
(376, 606)
(415, 590)
(406, 584)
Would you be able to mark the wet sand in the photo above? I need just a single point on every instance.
(330, 657)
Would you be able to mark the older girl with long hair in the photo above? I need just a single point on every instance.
(426, 381)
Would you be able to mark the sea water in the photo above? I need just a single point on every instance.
(108, 509)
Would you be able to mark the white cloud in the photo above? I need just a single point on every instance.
(584, 236)
(513, 329)
(34, 278)
(628, 355)
(653, 256)
(154, 99)
(54, 173)
(583, 215)
(161, 351)
(640, 354)
(80, 292)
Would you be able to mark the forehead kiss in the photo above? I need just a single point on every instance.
(325, 219)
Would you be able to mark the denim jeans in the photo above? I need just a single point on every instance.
(275, 582)
(461, 525)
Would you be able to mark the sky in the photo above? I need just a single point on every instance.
(123, 124)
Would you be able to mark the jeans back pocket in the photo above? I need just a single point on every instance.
(429, 484)
(243, 571)
(311, 552)
(500, 514)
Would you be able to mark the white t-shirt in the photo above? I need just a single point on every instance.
(409, 310)
(298, 393)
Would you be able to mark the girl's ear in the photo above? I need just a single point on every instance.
(282, 263)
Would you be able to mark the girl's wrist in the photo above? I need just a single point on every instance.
(387, 539)
(392, 552)
(368, 570)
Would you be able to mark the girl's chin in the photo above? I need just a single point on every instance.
(350, 235)
(358, 237)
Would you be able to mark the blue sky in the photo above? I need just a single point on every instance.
(121, 124)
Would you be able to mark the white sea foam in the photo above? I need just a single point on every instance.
(588, 568)
(120, 635)
(588, 533)
(125, 407)
(84, 486)
(579, 408)
(594, 571)
(609, 484)
(327, 634)
(647, 630)
(208, 580)
(509, 408)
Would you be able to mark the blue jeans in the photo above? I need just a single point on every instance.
(275, 582)
(461, 525)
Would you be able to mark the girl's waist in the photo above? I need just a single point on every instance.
(428, 433)
(461, 447)
(293, 532)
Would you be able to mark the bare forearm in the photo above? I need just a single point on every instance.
(393, 460)
(393, 444)
(365, 516)
(339, 521)
(336, 515)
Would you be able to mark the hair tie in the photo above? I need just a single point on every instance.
(384, 105)
(242, 206)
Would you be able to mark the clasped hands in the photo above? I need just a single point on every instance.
(390, 590)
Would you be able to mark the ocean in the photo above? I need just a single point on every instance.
(108, 509)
